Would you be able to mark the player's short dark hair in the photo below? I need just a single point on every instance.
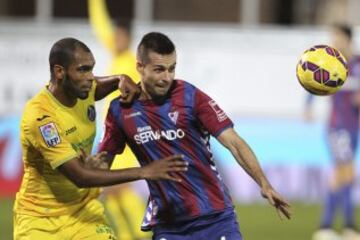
(345, 29)
(62, 52)
(156, 42)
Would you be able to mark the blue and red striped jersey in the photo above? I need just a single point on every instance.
(181, 124)
(344, 110)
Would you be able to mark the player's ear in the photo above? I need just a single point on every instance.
(58, 71)
(140, 67)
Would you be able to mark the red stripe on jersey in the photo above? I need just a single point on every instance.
(187, 193)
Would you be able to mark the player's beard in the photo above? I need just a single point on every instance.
(71, 90)
(156, 94)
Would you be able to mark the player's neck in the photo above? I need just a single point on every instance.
(144, 95)
(59, 93)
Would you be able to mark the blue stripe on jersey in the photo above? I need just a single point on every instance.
(116, 111)
(202, 152)
(171, 186)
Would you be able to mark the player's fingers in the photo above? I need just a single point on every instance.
(102, 155)
(285, 203)
(281, 200)
(285, 211)
(175, 157)
(132, 93)
(278, 211)
(84, 156)
(270, 198)
(178, 163)
(177, 169)
(83, 153)
(176, 179)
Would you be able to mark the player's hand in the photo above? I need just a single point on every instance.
(128, 88)
(97, 161)
(163, 169)
(276, 200)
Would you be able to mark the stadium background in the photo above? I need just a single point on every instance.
(241, 52)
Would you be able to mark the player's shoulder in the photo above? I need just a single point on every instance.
(183, 84)
(37, 109)
(116, 105)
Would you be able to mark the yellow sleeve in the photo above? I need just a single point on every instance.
(101, 23)
(47, 138)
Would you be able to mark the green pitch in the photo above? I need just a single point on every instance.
(257, 221)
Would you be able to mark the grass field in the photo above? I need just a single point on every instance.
(257, 221)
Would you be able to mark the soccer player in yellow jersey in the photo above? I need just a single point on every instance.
(124, 204)
(58, 195)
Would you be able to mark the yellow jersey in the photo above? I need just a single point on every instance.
(52, 134)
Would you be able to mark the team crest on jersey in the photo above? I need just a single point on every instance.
(91, 113)
(50, 134)
(220, 114)
(173, 116)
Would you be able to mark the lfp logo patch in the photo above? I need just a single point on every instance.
(50, 134)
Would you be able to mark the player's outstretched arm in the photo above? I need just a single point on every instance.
(106, 85)
(101, 24)
(247, 159)
(84, 177)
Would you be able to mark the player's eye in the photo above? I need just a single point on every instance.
(85, 68)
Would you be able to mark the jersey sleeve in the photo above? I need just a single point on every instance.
(113, 140)
(211, 116)
(46, 137)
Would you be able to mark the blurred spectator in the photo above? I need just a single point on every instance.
(343, 128)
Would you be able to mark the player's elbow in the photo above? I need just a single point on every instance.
(83, 181)
(78, 176)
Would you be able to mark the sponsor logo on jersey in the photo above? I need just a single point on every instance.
(173, 116)
(220, 114)
(70, 130)
(42, 118)
(134, 114)
(50, 134)
(147, 134)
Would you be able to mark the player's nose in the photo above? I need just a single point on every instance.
(167, 76)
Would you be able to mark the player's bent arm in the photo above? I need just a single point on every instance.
(106, 85)
(243, 155)
(83, 177)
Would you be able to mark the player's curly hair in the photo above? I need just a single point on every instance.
(62, 52)
(156, 42)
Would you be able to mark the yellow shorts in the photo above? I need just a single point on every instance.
(88, 223)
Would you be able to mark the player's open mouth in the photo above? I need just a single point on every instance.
(162, 86)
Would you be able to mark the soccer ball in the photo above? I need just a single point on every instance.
(322, 70)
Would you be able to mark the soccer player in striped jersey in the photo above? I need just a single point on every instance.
(58, 194)
(172, 116)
